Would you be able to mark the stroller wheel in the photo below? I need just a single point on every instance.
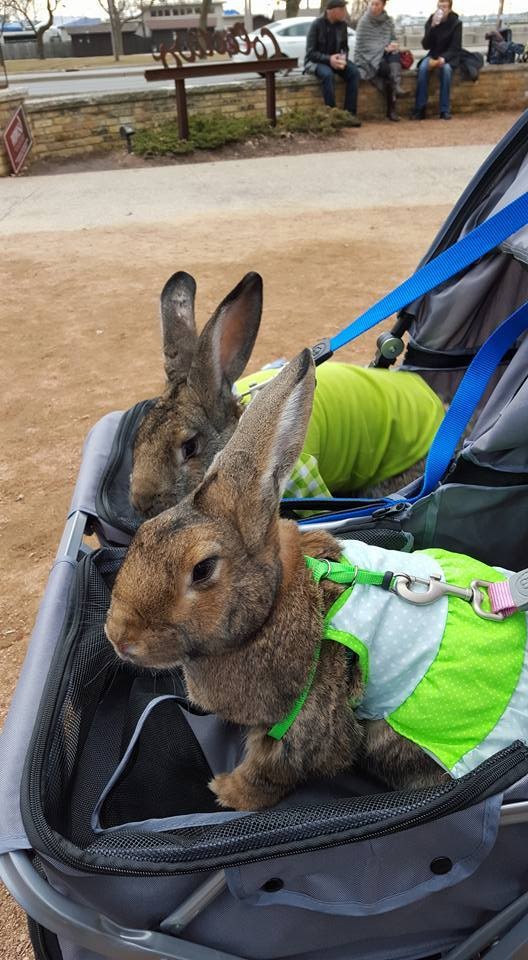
(45, 944)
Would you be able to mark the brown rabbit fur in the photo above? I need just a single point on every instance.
(197, 414)
(218, 585)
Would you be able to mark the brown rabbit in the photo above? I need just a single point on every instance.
(193, 420)
(197, 414)
(219, 585)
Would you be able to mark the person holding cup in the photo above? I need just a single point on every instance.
(327, 56)
(443, 41)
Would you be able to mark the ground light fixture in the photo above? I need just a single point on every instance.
(126, 131)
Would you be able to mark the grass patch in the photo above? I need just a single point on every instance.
(321, 122)
(211, 131)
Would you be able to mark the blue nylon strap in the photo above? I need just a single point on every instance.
(447, 264)
(465, 400)
(456, 258)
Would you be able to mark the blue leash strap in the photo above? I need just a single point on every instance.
(447, 264)
(467, 397)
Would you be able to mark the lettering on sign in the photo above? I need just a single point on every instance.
(200, 44)
(17, 139)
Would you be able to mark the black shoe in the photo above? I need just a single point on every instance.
(392, 115)
(353, 120)
(446, 116)
(418, 114)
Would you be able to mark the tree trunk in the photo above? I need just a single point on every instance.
(292, 8)
(204, 10)
(39, 33)
(115, 30)
(357, 10)
(248, 16)
(499, 15)
(39, 37)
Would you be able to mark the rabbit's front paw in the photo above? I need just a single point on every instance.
(236, 793)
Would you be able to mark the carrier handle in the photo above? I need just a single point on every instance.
(467, 397)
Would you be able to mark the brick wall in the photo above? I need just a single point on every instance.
(80, 126)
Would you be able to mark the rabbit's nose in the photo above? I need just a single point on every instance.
(120, 643)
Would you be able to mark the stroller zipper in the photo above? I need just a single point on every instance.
(126, 430)
(465, 798)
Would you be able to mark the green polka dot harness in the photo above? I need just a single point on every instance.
(453, 683)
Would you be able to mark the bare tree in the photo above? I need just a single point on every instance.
(357, 9)
(27, 11)
(119, 12)
(292, 8)
(4, 82)
(204, 11)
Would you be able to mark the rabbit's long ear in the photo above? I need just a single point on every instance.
(177, 324)
(250, 473)
(226, 342)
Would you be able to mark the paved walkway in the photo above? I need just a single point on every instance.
(313, 182)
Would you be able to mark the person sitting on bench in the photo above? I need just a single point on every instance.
(327, 56)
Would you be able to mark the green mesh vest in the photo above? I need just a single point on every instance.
(366, 425)
(438, 674)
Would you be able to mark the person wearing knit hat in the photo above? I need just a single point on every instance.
(327, 56)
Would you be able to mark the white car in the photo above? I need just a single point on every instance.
(291, 37)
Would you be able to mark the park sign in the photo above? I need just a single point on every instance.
(199, 44)
(17, 139)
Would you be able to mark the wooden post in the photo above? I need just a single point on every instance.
(266, 68)
(181, 106)
(270, 99)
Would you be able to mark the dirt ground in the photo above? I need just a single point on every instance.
(80, 337)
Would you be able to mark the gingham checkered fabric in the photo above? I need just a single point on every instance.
(305, 479)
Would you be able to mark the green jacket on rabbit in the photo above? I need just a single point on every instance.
(366, 425)
(438, 674)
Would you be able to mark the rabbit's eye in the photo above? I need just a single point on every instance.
(203, 570)
(189, 448)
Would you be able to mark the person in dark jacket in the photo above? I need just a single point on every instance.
(327, 56)
(443, 41)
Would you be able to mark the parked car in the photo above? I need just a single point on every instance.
(291, 36)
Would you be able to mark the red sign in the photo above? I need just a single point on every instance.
(17, 139)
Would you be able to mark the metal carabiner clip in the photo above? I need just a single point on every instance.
(403, 586)
(403, 583)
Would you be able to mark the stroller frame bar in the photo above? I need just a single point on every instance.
(71, 542)
(511, 923)
(195, 903)
(96, 932)
(89, 928)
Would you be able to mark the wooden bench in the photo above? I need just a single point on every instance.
(267, 68)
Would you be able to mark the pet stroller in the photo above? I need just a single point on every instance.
(110, 837)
